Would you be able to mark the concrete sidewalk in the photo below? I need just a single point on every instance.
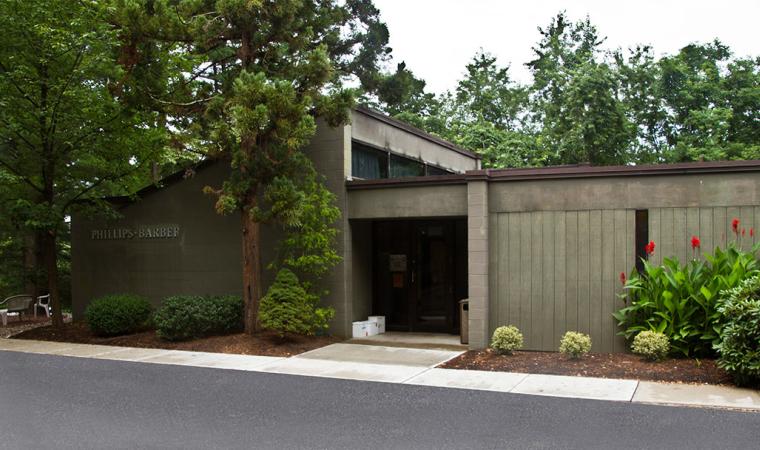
(413, 366)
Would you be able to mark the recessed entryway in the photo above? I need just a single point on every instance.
(420, 273)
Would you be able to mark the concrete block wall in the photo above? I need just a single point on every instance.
(477, 257)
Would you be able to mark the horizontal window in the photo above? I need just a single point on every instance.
(432, 170)
(405, 167)
(370, 163)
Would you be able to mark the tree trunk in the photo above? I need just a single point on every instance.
(50, 255)
(251, 265)
(30, 251)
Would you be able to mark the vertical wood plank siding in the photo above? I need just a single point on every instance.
(558, 271)
(672, 228)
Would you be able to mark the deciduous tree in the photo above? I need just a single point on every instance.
(67, 135)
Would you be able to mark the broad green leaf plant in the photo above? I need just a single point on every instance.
(682, 300)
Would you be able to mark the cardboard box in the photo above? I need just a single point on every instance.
(361, 329)
(379, 321)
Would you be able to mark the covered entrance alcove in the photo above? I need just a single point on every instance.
(419, 273)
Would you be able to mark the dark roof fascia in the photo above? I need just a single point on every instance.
(382, 183)
(586, 171)
(414, 130)
(167, 181)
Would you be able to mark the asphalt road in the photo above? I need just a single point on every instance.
(58, 402)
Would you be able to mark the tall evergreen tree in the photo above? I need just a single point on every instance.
(262, 72)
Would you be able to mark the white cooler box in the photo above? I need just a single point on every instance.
(379, 322)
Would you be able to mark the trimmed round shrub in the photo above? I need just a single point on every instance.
(574, 344)
(651, 345)
(185, 317)
(739, 344)
(118, 314)
(288, 308)
(506, 339)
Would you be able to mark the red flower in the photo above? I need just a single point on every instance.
(743, 231)
(622, 277)
(649, 248)
(735, 225)
(695, 242)
(751, 232)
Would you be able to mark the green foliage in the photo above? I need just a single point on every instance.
(652, 345)
(739, 344)
(506, 339)
(118, 314)
(308, 247)
(288, 308)
(252, 79)
(574, 344)
(185, 317)
(681, 300)
(72, 126)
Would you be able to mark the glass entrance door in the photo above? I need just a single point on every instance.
(417, 276)
(434, 277)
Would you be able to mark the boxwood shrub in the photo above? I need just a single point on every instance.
(575, 344)
(185, 317)
(506, 339)
(651, 345)
(117, 314)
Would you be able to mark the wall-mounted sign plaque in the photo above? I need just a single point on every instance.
(397, 263)
(137, 232)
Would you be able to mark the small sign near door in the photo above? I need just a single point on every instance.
(397, 263)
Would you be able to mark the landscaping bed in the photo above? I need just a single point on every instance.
(16, 326)
(603, 365)
(265, 343)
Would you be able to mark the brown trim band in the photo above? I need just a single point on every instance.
(432, 180)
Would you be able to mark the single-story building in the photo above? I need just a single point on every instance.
(423, 227)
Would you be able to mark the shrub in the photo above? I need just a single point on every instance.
(681, 301)
(185, 317)
(574, 344)
(739, 344)
(506, 339)
(117, 314)
(288, 308)
(652, 345)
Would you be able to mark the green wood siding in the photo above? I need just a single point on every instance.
(672, 228)
(557, 271)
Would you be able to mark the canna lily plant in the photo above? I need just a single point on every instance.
(681, 301)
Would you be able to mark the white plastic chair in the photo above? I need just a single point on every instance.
(43, 301)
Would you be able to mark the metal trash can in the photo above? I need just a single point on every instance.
(464, 321)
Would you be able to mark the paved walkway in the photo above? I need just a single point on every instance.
(413, 367)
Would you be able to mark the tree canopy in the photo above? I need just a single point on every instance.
(585, 104)
(71, 132)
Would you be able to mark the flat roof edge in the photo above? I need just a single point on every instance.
(586, 171)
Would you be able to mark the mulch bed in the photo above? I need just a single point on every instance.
(265, 343)
(27, 322)
(603, 365)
